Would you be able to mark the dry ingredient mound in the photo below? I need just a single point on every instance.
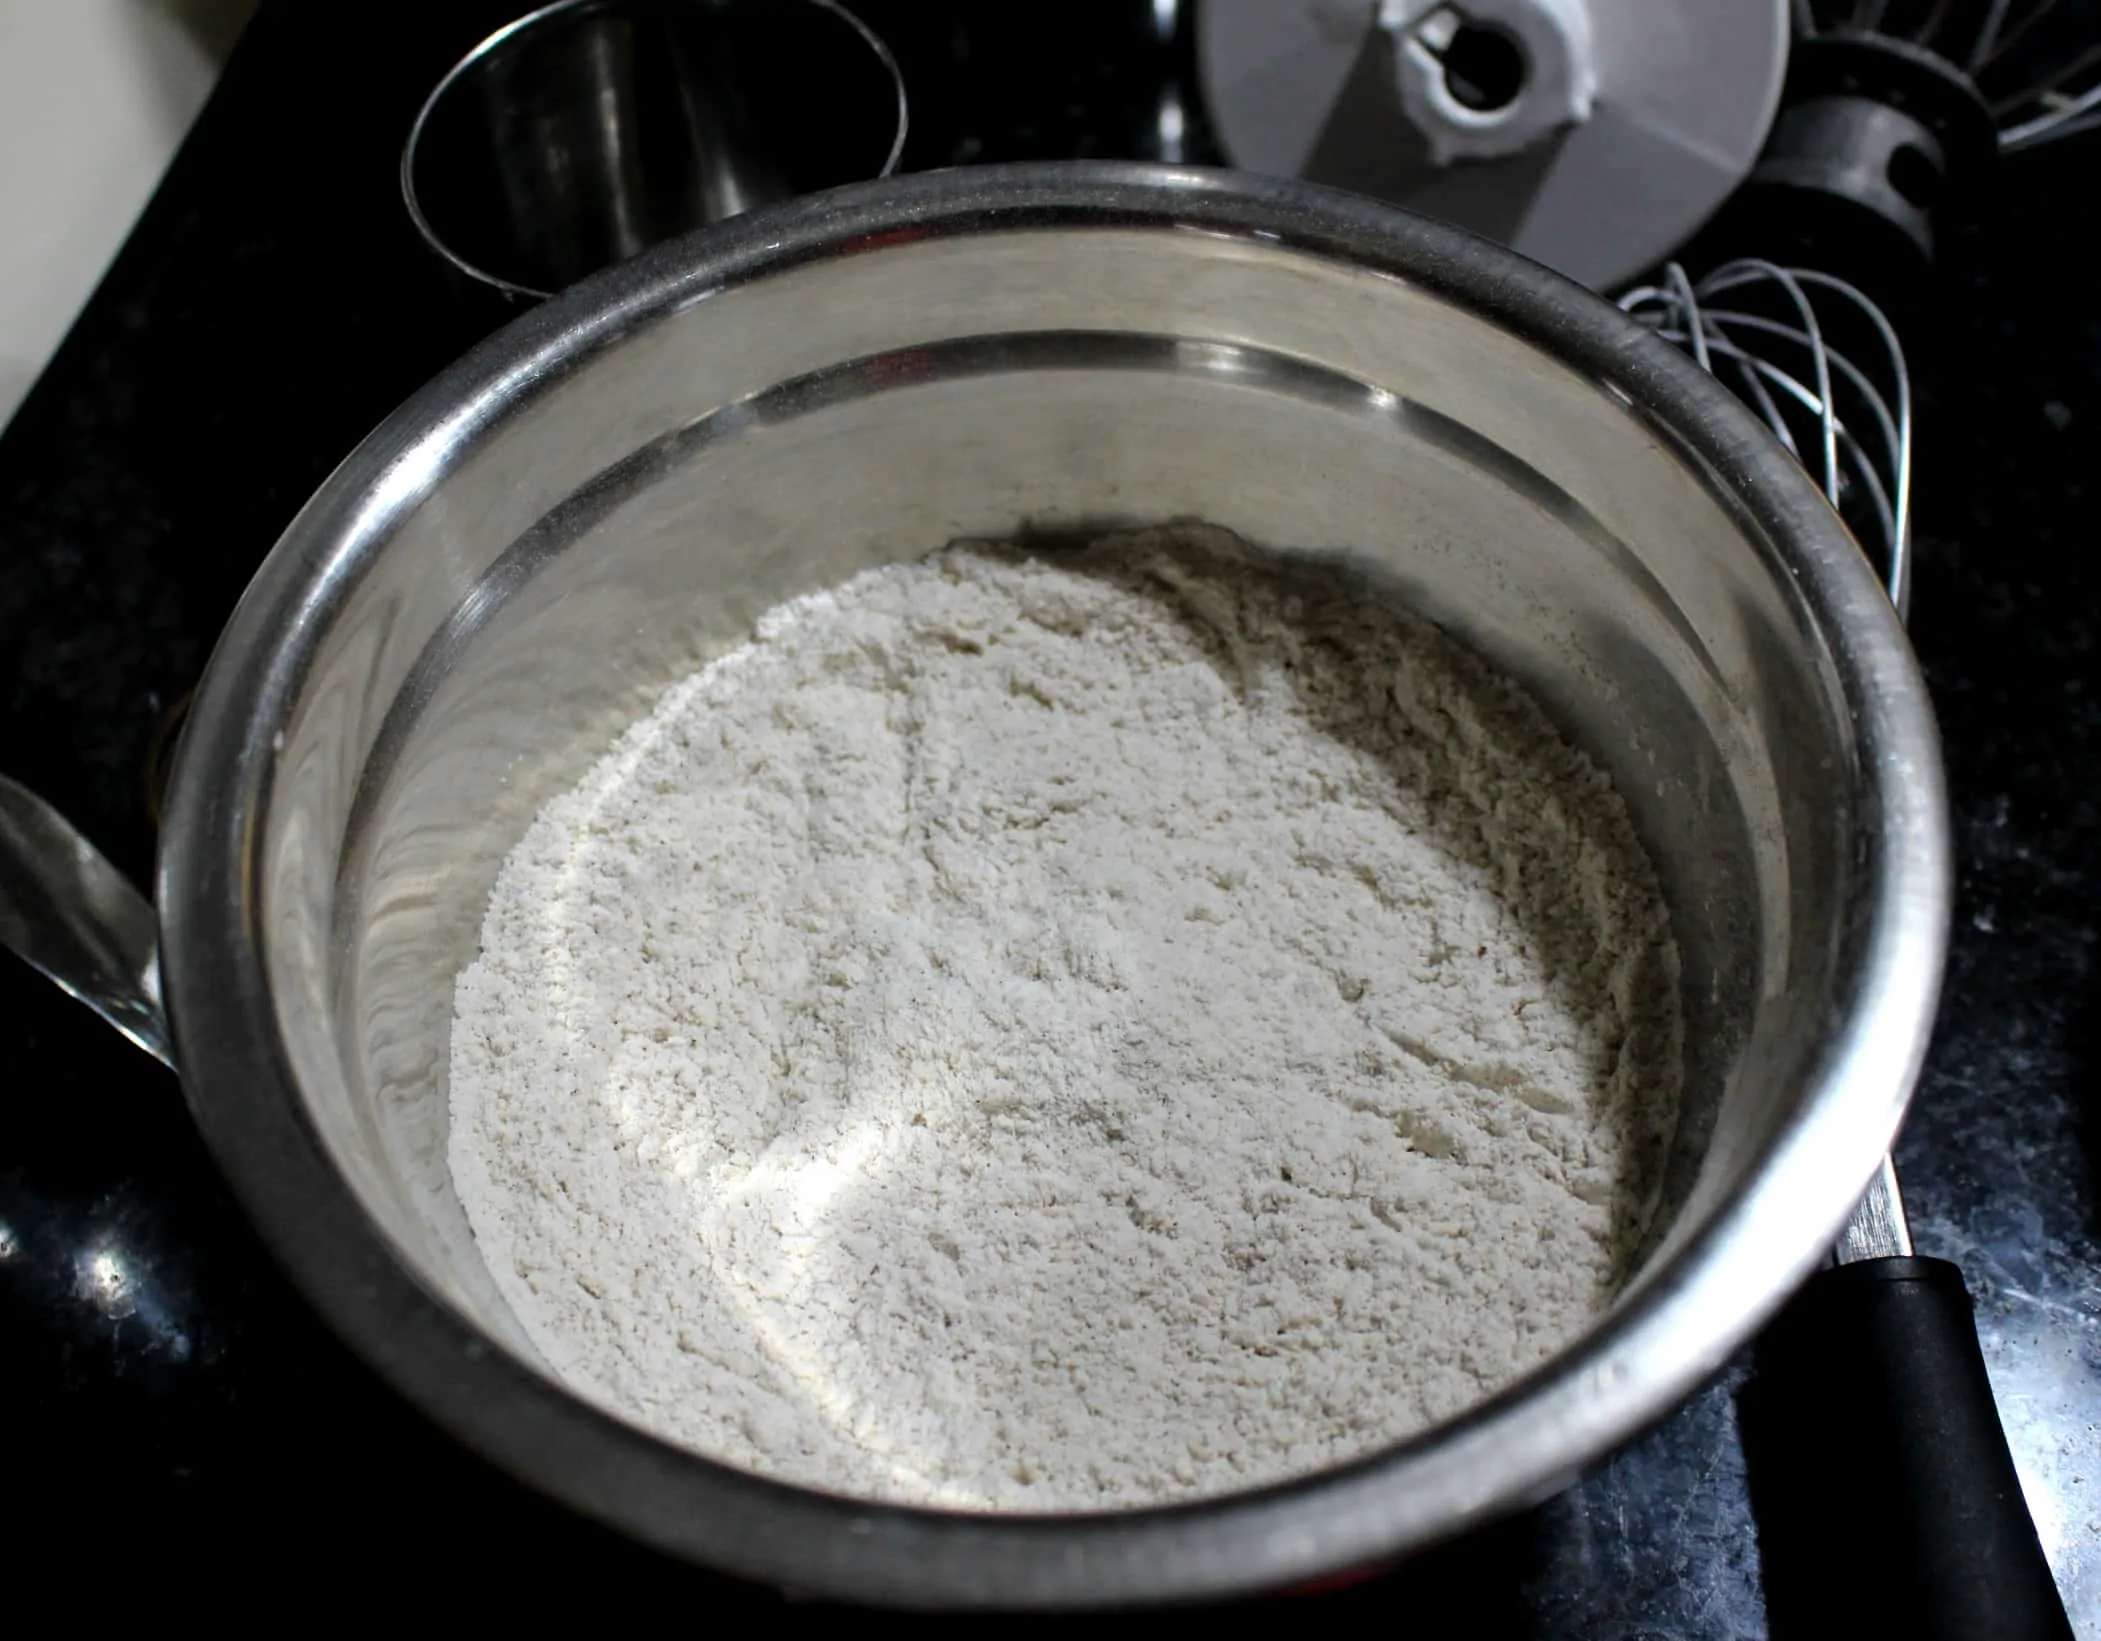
(1067, 1030)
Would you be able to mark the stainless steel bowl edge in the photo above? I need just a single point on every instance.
(1704, 1300)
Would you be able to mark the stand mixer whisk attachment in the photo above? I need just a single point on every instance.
(1822, 367)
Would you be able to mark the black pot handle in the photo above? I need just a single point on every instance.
(1886, 1497)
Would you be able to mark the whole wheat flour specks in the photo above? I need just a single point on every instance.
(1065, 1031)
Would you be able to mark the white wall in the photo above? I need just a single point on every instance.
(94, 96)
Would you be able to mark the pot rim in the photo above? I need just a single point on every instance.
(1676, 1330)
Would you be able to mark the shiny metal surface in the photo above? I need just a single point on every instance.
(1877, 1228)
(614, 487)
(588, 130)
(69, 914)
(1722, 339)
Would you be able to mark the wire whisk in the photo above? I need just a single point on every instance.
(1821, 366)
(2035, 63)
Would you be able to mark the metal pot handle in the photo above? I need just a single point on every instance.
(68, 913)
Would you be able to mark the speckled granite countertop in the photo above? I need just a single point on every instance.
(179, 1434)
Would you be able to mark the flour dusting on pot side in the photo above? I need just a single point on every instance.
(1068, 1030)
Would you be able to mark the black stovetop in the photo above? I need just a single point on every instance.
(190, 1433)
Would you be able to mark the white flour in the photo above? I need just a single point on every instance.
(1067, 1031)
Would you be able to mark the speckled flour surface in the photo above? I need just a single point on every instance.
(1067, 1031)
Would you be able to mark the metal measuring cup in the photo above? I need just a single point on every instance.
(589, 130)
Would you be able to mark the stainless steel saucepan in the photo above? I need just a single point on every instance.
(615, 486)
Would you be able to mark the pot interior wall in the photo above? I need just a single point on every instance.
(645, 504)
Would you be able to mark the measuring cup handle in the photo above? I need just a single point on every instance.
(69, 914)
